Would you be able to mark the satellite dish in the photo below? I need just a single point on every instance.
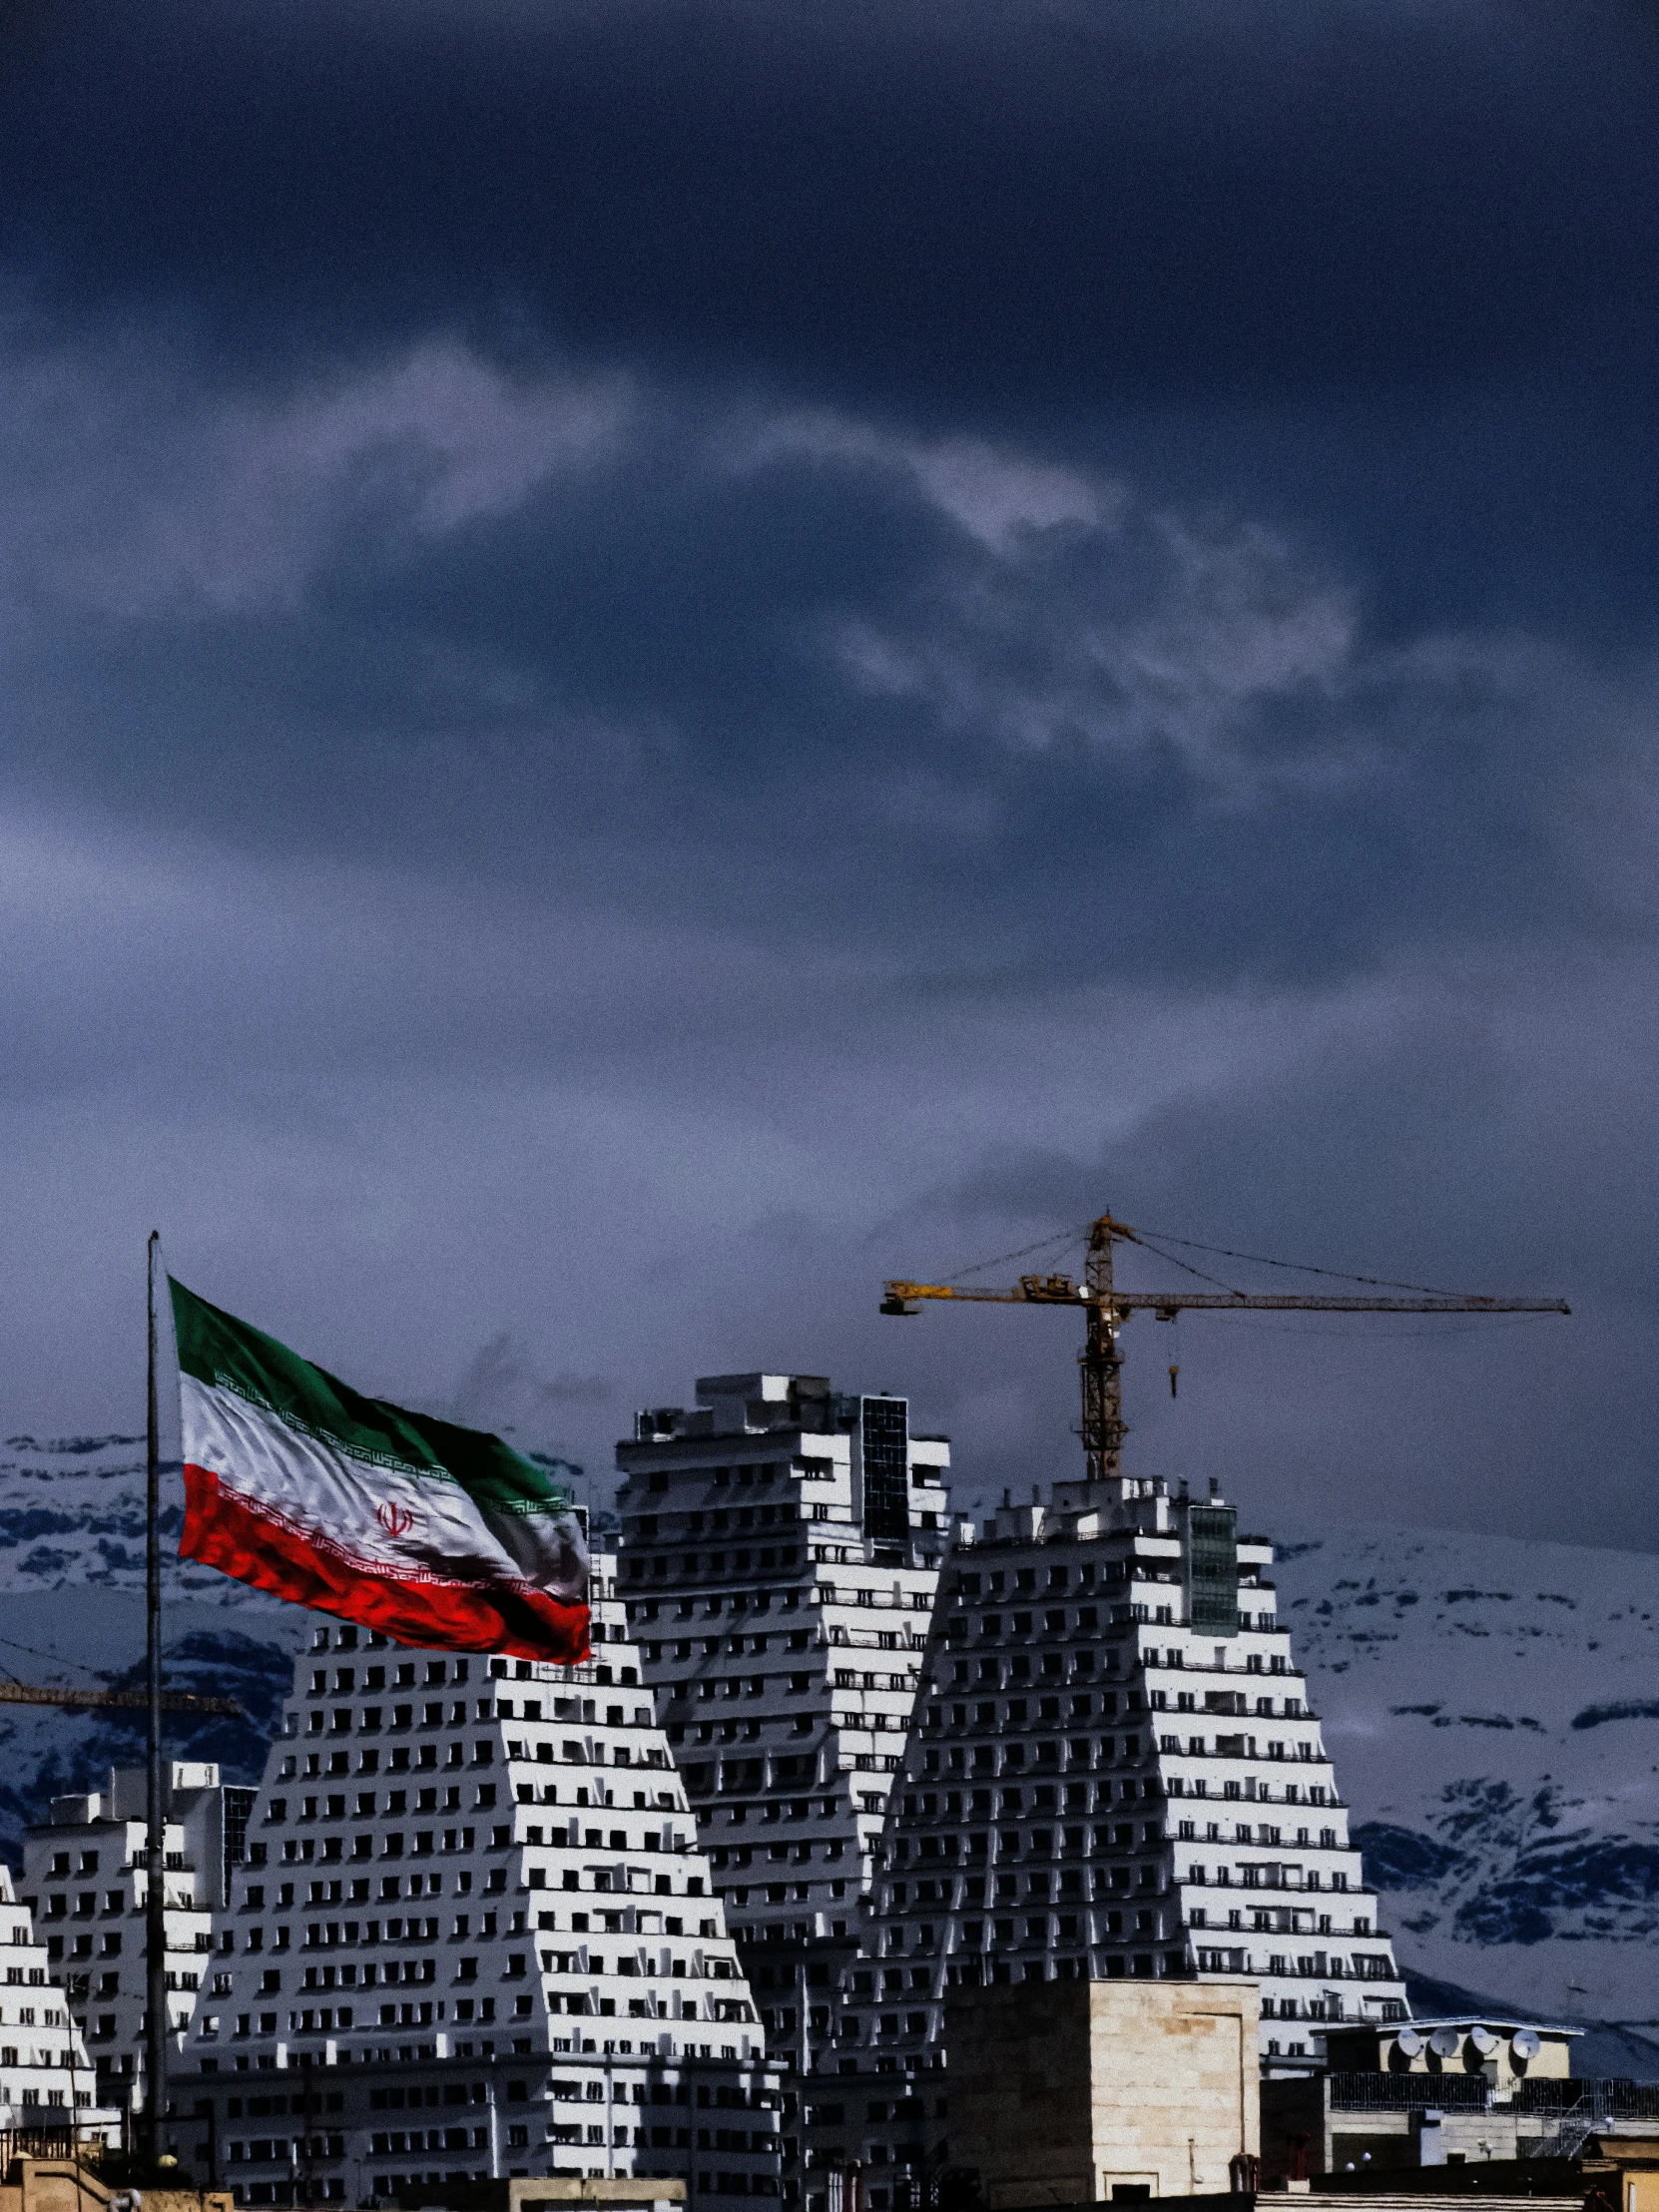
(1526, 2043)
(1446, 2042)
(1485, 2041)
(1409, 2042)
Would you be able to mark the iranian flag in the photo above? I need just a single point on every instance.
(439, 1536)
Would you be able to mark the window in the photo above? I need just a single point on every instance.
(884, 1434)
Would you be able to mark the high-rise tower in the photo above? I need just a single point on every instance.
(780, 1553)
(474, 1934)
(1114, 1770)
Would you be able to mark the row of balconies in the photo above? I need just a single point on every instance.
(1172, 1659)
(841, 1636)
(404, 1676)
(467, 1967)
(398, 1760)
(786, 1687)
(1308, 1752)
(1254, 1789)
(768, 1559)
(1009, 1761)
(1016, 1714)
(370, 1720)
(1272, 1876)
(1046, 1805)
(721, 1521)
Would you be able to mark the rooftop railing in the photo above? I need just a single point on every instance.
(1551, 2100)
(1408, 2092)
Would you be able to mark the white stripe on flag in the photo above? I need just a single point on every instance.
(392, 1523)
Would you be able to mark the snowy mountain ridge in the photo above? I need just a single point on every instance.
(71, 1516)
(72, 1542)
(1492, 1707)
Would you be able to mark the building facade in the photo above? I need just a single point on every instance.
(85, 1874)
(780, 1557)
(1114, 1772)
(1079, 2092)
(475, 1934)
(46, 2078)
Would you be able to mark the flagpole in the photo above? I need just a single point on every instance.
(155, 1941)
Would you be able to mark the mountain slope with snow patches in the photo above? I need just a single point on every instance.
(72, 1616)
(1492, 1709)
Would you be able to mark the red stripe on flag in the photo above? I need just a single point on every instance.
(226, 1530)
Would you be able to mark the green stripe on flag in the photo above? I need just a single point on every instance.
(227, 1355)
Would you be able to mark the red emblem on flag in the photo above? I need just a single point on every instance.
(397, 1520)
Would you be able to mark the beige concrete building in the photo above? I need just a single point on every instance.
(1622, 2163)
(1073, 2093)
(70, 2185)
(1427, 2200)
(589, 2195)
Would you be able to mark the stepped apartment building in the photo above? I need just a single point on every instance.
(87, 1883)
(1114, 1772)
(474, 1933)
(46, 2079)
(780, 1553)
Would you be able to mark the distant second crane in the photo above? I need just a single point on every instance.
(89, 1701)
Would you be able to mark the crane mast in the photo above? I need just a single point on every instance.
(1100, 1361)
(1106, 1308)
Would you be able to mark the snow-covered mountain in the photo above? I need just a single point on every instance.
(72, 1615)
(1492, 1709)
(1491, 1704)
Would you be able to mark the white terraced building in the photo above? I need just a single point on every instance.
(475, 1934)
(86, 1878)
(46, 2079)
(780, 1557)
(1115, 1771)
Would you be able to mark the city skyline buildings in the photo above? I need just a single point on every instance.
(1110, 1766)
(779, 1590)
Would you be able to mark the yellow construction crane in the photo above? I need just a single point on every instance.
(14, 1692)
(79, 1701)
(1106, 1308)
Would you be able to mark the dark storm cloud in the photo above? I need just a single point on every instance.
(660, 659)
(423, 613)
(1078, 197)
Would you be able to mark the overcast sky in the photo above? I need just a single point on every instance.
(660, 659)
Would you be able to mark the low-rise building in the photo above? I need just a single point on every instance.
(1078, 2092)
(1476, 2090)
(1621, 2159)
(66, 2183)
(1502, 2051)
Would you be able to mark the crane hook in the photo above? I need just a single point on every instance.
(1173, 1372)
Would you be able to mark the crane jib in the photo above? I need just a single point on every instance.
(1124, 1303)
(1106, 1307)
